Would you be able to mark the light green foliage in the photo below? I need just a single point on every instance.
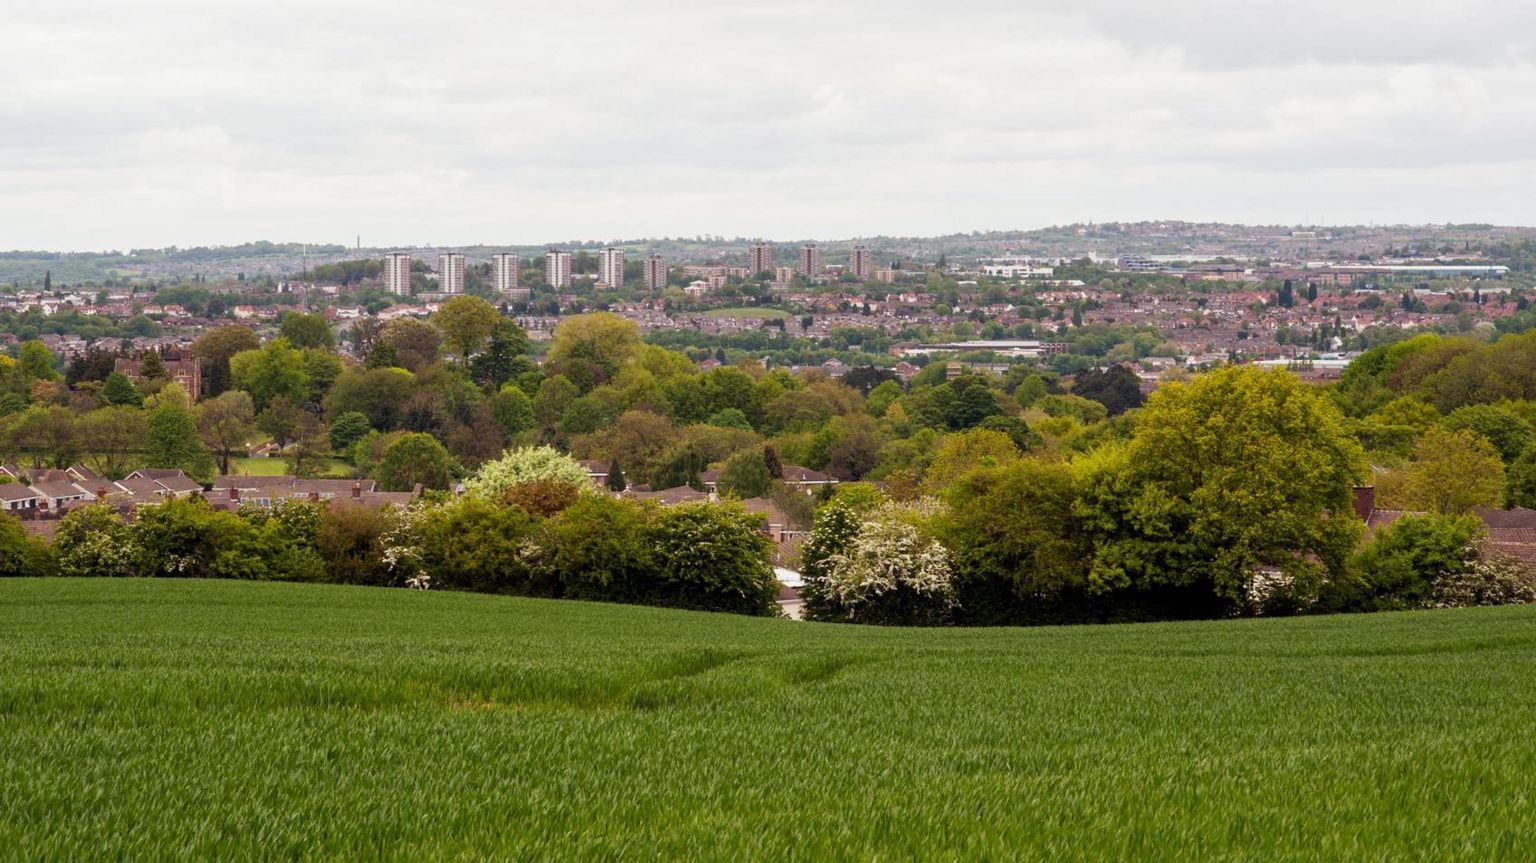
(591, 349)
(712, 556)
(1508, 433)
(512, 409)
(745, 475)
(1237, 470)
(522, 465)
(20, 554)
(1452, 472)
(274, 369)
(413, 459)
(1399, 568)
(307, 331)
(467, 323)
(172, 441)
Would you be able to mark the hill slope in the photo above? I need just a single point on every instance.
(192, 719)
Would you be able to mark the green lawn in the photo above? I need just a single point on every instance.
(160, 719)
(746, 312)
(279, 466)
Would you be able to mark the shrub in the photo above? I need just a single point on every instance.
(714, 558)
(350, 540)
(890, 573)
(473, 544)
(94, 542)
(1400, 568)
(525, 464)
(22, 555)
(597, 549)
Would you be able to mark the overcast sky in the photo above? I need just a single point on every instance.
(126, 123)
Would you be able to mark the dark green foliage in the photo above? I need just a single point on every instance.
(712, 557)
(1399, 568)
(415, 458)
(118, 391)
(745, 475)
(473, 544)
(347, 429)
(20, 554)
(1117, 388)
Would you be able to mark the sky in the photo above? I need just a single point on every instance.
(147, 124)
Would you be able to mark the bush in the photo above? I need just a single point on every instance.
(350, 540)
(712, 557)
(22, 555)
(473, 544)
(94, 542)
(1399, 569)
(597, 549)
(522, 465)
(891, 572)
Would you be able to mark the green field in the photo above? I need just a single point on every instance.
(279, 467)
(157, 719)
(746, 312)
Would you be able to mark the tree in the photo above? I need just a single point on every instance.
(275, 369)
(1509, 434)
(346, 430)
(745, 475)
(379, 394)
(963, 452)
(466, 323)
(1117, 389)
(215, 348)
(890, 572)
(712, 557)
(307, 331)
(616, 482)
(512, 410)
(1016, 541)
(36, 361)
(1399, 568)
(1520, 481)
(152, 367)
(1235, 471)
(526, 464)
(473, 544)
(590, 349)
(415, 458)
(280, 420)
(111, 437)
(311, 444)
(117, 390)
(597, 548)
(225, 423)
(415, 343)
(555, 395)
(504, 356)
(21, 555)
(1452, 472)
(93, 542)
(172, 441)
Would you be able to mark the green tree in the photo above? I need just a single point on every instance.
(712, 557)
(590, 349)
(117, 390)
(745, 475)
(1235, 471)
(414, 343)
(1452, 472)
(379, 394)
(280, 420)
(1509, 434)
(215, 348)
(512, 410)
(172, 441)
(152, 367)
(504, 356)
(94, 542)
(346, 430)
(307, 331)
(21, 555)
(1520, 481)
(1016, 539)
(311, 445)
(415, 458)
(525, 465)
(275, 369)
(225, 423)
(1399, 568)
(616, 480)
(466, 323)
(36, 362)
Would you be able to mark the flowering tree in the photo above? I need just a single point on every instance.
(890, 572)
(524, 465)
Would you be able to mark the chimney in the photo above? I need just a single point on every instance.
(357, 491)
(101, 492)
(1365, 501)
(234, 494)
(314, 497)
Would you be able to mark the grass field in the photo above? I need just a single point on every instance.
(746, 312)
(154, 719)
(279, 467)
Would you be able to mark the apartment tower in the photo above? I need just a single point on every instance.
(810, 260)
(397, 274)
(557, 268)
(504, 269)
(450, 273)
(610, 267)
(655, 273)
(760, 258)
(862, 263)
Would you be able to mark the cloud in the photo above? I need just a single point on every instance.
(136, 123)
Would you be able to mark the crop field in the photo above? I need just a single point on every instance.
(179, 719)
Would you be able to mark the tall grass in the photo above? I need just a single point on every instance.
(155, 719)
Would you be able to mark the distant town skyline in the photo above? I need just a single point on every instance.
(133, 125)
